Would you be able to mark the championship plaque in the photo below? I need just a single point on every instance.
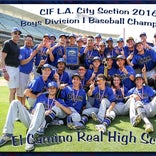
(72, 56)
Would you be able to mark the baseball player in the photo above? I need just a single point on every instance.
(46, 107)
(75, 98)
(89, 52)
(104, 98)
(145, 58)
(121, 108)
(38, 85)
(41, 49)
(143, 103)
(126, 72)
(57, 51)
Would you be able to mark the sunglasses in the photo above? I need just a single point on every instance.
(100, 80)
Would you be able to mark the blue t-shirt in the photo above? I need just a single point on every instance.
(100, 94)
(119, 97)
(41, 55)
(145, 93)
(126, 81)
(74, 98)
(24, 54)
(127, 52)
(48, 103)
(38, 85)
(148, 59)
(58, 52)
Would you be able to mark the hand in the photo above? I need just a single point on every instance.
(56, 76)
(6, 76)
(144, 69)
(62, 86)
(42, 62)
(48, 112)
(125, 70)
(92, 86)
(40, 46)
(57, 104)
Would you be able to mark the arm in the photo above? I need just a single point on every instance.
(28, 93)
(5, 74)
(92, 87)
(67, 110)
(110, 108)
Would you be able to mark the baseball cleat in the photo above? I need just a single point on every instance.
(29, 147)
(137, 120)
(5, 138)
(96, 118)
(77, 125)
(149, 128)
(100, 128)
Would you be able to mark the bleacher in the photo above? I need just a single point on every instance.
(8, 22)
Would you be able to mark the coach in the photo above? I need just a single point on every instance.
(10, 62)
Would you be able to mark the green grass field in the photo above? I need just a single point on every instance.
(128, 138)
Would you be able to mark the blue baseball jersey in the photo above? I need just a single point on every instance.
(64, 77)
(24, 54)
(58, 52)
(90, 71)
(146, 93)
(100, 94)
(126, 81)
(38, 85)
(148, 59)
(41, 55)
(89, 57)
(74, 98)
(119, 96)
(112, 52)
(127, 52)
(48, 103)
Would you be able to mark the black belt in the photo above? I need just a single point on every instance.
(12, 65)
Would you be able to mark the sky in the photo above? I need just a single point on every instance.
(137, 12)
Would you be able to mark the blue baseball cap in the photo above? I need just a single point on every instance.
(14, 29)
(98, 36)
(72, 35)
(139, 42)
(76, 75)
(121, 57)
(96, 58)
(61, 60)
(138, 76)
(109, 39)
(120, 39)
(53, 84)
(46, 66)
(52, 36)
(143, 34)
(79, 39)
(47, 35)
(109, 57)
(62, 35)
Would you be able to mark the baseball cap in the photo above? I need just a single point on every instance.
(61, 60)
(96, 58)
(46, 35)
(129, 38)
(109, 39)
(46, 66)
(138, 76)
(79, 39)
(76, 75)
(53, 84)
(72, 35)
(52, 36)
(14, 29)
(121, 57)
(109, 57)
(120, 39)
(62, 35)
(98, 36)
(139, 42)
(143, 34)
